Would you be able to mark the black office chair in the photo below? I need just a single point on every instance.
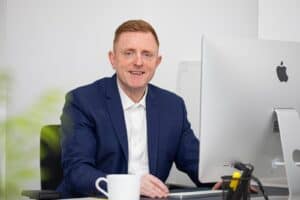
(50, 164)
(50, 157)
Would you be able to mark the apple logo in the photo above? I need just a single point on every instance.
(281, 73)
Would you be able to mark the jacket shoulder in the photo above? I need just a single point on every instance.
(165, 95)
(92, 89)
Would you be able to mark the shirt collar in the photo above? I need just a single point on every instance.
(127, 102)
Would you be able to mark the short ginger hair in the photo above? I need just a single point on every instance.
(135, 26)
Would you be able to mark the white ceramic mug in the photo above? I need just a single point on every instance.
(120, 186)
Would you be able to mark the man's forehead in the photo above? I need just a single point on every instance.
(136, 39)
(138, 34)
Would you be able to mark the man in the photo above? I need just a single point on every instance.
(123, 124)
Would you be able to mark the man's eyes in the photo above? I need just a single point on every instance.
(148, 54)
(131, 54)
(128, 53)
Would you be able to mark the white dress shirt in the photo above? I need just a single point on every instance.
(136, 126)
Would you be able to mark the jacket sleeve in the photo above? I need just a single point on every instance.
(79, 148)
(187, 156)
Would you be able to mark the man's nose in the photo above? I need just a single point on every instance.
(138, 60)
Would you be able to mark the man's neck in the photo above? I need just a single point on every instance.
(135, 94)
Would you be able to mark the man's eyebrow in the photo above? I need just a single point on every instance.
(149, 51)
(128, 49)
(143, 50)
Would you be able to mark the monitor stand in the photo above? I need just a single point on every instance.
(289, 128)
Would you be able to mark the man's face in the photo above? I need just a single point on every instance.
(135, 58)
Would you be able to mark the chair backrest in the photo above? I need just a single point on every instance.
(50, 157)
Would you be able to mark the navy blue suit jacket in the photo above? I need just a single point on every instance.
(94, 136)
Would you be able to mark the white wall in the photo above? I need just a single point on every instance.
(2, 32)
(2, 94)
(64, 43)
(279, 20)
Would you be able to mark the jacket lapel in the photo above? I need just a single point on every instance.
(152, 129)
(116, 113)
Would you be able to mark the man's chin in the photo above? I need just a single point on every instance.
(138, 84)
(139, 87)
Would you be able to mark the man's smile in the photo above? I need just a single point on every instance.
(136, 73)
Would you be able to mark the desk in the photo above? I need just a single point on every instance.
(204, 198)
(274, 193)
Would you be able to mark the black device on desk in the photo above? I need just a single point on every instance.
(242, 185)
(41, 194)
(242, 188)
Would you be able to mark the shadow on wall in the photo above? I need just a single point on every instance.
(21, 134)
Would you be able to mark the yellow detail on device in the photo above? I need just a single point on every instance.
(235, 180)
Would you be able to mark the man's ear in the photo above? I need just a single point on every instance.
(158, 60)
(112, 58)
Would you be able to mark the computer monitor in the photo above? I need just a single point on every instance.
(242, 82)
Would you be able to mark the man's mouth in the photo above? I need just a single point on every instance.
(136, 73)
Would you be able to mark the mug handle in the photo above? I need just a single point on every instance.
(98, 187)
